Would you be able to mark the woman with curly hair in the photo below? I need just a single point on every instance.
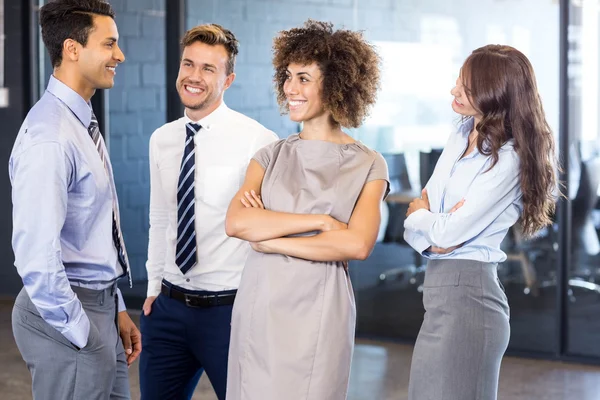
(497, 169)
(309, 204)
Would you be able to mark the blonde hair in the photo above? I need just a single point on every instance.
(213, 35)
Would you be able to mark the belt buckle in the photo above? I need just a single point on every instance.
(190, 303)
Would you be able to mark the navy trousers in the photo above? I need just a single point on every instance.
(179, 343)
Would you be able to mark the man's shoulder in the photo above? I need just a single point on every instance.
(46, 117)
(47, 121)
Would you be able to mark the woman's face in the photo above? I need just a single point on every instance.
(461, 103)
(303, 88)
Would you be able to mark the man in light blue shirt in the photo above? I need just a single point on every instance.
(67, 238)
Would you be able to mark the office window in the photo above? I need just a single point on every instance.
(584, 180)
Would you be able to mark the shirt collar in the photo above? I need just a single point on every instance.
(466, 126)
(211, 119)
(76, 103)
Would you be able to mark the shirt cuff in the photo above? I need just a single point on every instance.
(418, 242)
(420, 221)
(154, 287)
(121, 306)
(79, 331)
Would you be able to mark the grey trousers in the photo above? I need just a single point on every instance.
(61, 371)
(464, 334)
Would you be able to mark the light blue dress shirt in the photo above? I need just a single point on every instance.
(62, 210)
(492, 202)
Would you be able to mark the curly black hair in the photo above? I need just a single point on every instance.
(348, 63)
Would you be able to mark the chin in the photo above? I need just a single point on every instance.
(296, 118)
(196, 105)
(105, 85)
(460, 112)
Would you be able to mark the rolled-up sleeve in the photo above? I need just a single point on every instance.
(40, 177)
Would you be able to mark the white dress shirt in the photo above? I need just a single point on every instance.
(224, 147)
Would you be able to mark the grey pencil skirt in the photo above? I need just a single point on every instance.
(464, 334)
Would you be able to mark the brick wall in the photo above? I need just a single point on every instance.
(136, 108)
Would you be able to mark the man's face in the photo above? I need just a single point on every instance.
(203, 75)
(101, 55)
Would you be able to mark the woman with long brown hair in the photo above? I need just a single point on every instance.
(499, 168)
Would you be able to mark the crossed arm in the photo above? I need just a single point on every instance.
(423, 203)
(266, 230)
(490, 194)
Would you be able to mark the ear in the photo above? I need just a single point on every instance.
(71, 50)
(229, 80)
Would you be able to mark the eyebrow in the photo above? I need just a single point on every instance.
(299, 73)
(205, 64)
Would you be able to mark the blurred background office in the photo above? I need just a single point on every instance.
(552, 281)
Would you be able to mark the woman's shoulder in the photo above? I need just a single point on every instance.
(370, 153)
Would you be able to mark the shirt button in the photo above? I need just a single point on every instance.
(187, 280)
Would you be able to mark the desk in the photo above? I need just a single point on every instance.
(402, 197)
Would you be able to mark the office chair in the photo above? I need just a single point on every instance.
(395, 230)
(543, 251)
(582, 206)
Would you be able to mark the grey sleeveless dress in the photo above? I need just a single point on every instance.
(292, 330)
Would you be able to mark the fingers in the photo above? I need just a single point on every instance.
(457, 206)
(245, 202)
(439, 250)
(136, 341)
(252, 200)
(257, 199)
(147, 307)
(424, 195)
(126, 338)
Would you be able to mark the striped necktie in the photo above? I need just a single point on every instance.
(186, 199)
(94, 132)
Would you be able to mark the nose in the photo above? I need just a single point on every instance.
(290, 87)
(196, 75)
(454, 92)
(119, 56)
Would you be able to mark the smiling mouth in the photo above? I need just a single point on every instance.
(112, 69)
(295, 104)
(193, 90)
(458, 102)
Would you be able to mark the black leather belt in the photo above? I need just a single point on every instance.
(198, 300)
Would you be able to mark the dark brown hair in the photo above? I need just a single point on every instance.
(348, 63)
(214, 35)
(501, 85)
(69, 19)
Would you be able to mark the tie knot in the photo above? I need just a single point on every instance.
(192, 129)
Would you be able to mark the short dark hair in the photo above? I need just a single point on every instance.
(213, 35)
(69, 19)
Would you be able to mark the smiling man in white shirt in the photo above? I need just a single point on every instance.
(197, 164)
